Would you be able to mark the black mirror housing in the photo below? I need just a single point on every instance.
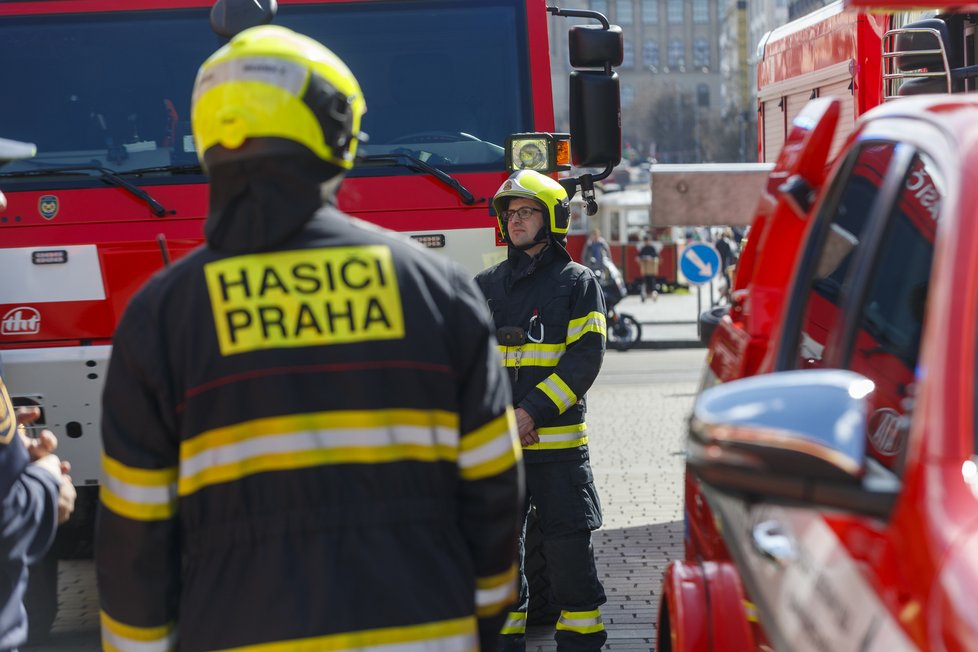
(228, 17)
(592, 46)
(595, 119)
(924, 37)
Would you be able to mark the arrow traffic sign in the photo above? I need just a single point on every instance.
(699, 262)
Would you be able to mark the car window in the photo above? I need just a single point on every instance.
(890, 321)
(844, 221)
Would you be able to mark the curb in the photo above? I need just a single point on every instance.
(664, 344)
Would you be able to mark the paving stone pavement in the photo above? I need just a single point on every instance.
(636, 431)
(637, 412)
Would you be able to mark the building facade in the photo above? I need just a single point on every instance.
(672, 56)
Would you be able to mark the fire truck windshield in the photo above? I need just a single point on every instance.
(445, 83)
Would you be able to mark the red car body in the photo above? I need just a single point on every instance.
(906, 579)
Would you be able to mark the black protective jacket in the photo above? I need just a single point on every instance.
(308, 442)
(558, 306)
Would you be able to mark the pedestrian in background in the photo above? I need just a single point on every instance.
(36, 493)
(727, 250)
(549, 314)
(308, 438)
(595, 250)
(648, 262)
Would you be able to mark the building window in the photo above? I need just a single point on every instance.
(676, 54)
(703, 96)
(600, 6)
(701, 11)
(623, 12)
(674, 12)
(627, 94)
(628, 61)
(701, 53)
(650, 54)
(650, 12)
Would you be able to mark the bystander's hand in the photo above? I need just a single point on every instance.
(41, 450)
(526, 427)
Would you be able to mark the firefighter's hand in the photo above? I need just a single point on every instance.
(66, 495)
(526, 428)
(37, 447)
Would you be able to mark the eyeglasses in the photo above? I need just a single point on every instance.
(523, 213)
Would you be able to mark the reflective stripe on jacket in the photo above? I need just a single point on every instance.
(308, 447)
(559, 305)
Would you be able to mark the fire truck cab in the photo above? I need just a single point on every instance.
(458, 96)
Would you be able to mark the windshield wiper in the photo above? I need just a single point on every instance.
(417, 164)
(107, 175)
(187, 168)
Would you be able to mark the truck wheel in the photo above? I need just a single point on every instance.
(541, 610)
(41, 598)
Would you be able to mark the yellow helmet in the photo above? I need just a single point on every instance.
(530, 184)
(270, 89)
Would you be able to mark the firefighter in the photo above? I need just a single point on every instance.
(308, 439)
(550, 317)
(36, 493)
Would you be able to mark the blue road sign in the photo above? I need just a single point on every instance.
(699, 262)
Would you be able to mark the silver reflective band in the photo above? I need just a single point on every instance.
(289, 76)
(115, 641)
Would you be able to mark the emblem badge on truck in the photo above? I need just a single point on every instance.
(47, 206)
(22, 320)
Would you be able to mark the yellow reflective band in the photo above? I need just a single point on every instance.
(459, 634)
(556, 437)
(306, 440)
(493, 593)
(750, 611)
(582, 622)
(305, 297)
(515, 623)
(558, 392)
(8, 420)
(139, 494)
(531, 355)
(119, 637)
(593, 322)
(491, 449)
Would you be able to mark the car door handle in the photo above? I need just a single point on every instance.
(771, 541)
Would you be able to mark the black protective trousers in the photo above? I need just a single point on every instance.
(568, 509)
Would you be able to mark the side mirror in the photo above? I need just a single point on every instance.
(795, 438)
(923, 44)
(595, 119)
(228, 17)
(593, 46)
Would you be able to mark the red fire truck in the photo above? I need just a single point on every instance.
(115, 192)
(831, 477)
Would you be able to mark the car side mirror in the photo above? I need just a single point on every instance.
(794, 438)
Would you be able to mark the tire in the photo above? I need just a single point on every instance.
(541, 610)
(625, 332)
(41, 598)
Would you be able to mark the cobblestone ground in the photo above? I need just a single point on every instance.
(636, 421)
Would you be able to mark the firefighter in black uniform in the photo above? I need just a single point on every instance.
(309, 442)
(550, 317)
